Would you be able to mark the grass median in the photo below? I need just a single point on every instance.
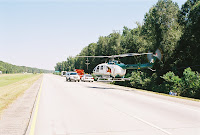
(14, 85)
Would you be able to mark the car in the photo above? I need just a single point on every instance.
(72, 76)
(63, 73)
(87, 77)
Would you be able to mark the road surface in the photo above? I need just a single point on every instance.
(83, 108)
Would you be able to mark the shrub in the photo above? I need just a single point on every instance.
(190, 84)
(172, 82)
(140, 79)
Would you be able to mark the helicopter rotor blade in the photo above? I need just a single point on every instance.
(120, 55)
(95, 56)
(131, 54)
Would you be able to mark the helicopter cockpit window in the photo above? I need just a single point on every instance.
(101, 67)
(97, 70)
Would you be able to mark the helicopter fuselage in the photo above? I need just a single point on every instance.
(106, 69)
(115, 69)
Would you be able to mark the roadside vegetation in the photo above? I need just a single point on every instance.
(187, 86)
(7, 68)
(174, 30)
(12, 78)
(14, 85)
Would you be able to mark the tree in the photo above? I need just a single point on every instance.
(187, 52)
(58, 67)
(162, 29)
(2, 69)
(185, 11)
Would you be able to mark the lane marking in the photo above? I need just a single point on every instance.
(140, 119)
(178, 104)
(146, 122)
(183, 106)
(152, 125)
(32, 130)
(161, 100)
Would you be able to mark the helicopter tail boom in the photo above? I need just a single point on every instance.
(136, 66)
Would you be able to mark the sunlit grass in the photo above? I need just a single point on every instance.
(12, 86)
(7, 79)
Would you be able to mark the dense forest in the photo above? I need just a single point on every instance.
(174, 30)
(7, 68)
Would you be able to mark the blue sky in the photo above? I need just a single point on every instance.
(40, 33)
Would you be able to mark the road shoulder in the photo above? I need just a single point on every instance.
(180, 100)
(14, 120)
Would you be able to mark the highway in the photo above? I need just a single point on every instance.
(83, 108)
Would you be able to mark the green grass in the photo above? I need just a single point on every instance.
(14, 85)
(7, 79)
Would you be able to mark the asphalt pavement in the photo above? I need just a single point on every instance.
(83, 108)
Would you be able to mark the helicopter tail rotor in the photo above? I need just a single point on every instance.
(157, 54)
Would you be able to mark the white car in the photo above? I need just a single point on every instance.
(87, 77)
(72, 76)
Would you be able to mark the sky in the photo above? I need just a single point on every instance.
(40, 33)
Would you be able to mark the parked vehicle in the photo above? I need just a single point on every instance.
(80, 72)
(88, 78)
(63, 73)
(72, 76)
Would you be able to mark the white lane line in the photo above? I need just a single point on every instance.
(173, 103)
(163, 100)
(144, 121)
(140, 119)
(152, 125)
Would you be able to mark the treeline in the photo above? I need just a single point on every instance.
(7, 68)
(174, 30)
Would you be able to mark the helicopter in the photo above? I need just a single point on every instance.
(115, 70)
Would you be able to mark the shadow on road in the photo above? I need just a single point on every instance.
(100, 88)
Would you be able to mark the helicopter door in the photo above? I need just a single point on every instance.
(101, 69)
(97, 69)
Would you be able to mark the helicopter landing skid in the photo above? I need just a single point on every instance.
(112, 79)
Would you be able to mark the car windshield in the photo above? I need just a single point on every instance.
(73, 74)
